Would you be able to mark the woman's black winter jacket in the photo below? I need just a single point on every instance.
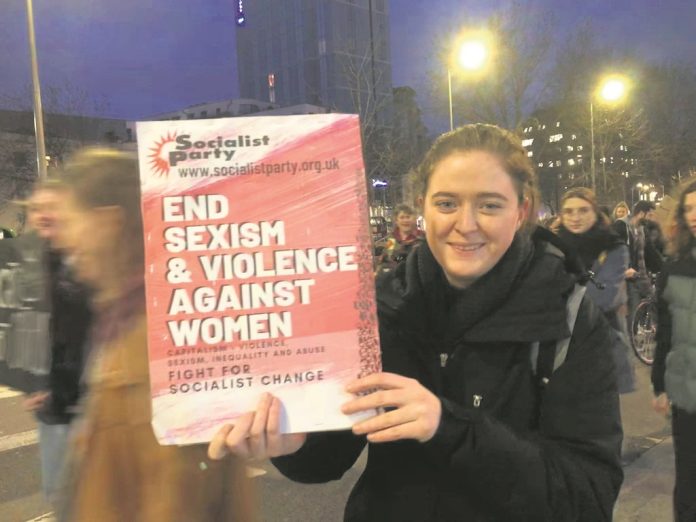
(506, 449)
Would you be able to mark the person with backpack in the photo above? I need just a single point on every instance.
(588, 233)
(479, 415)
(674, 369)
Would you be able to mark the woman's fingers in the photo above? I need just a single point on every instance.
(410, 430)
(385, 421)
(384, 381)
(278, 443)
(374, 400)
(257, 433)
(217, 448)
(237, 440)
(661, 404)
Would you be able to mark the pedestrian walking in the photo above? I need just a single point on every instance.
(472, 421)
(55, 405)
(117, 470)
(643, 257)
(674, 369)
(587, 231)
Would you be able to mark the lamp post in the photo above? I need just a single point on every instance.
(38, 110)
(471, 55)
(611, 90)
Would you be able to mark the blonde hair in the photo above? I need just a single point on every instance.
(620, 204)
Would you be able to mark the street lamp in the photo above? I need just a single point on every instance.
(38, 110)
(611, 90)
(471, 54)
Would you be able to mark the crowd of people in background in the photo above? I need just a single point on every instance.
(505, 345)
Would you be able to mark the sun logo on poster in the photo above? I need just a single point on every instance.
(159, 154)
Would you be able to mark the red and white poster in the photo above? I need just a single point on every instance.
(259, 270)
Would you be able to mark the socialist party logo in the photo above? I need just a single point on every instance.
(158, 156)
(171, 150)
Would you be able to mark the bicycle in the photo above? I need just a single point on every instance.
(644, 327)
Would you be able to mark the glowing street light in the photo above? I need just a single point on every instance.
(611, 90)
(472, 54)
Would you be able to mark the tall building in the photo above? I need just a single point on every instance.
(333, 53)
(561, 150)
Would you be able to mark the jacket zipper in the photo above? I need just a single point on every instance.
(443, 359)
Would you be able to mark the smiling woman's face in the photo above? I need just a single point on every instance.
(472, 211)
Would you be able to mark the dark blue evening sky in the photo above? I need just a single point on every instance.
(161, 55)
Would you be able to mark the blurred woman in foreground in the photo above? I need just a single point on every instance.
(118, 471)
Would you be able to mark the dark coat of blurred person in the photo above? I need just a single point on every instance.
(463, 431)
(674, 368)
(588, 232)
(117, 470)
(69, 326)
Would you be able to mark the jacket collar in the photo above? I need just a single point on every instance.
(522, 299)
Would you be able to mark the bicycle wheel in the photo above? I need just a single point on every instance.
(644, 331)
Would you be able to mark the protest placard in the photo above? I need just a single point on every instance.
(259, 270)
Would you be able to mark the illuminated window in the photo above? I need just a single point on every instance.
(540, 164)
(555, 137)
(571, 162)
(550, 164)
(569, 148)
(579, 148)
(528, 142)
(558, 124)
(558, 163)
(573, 137)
